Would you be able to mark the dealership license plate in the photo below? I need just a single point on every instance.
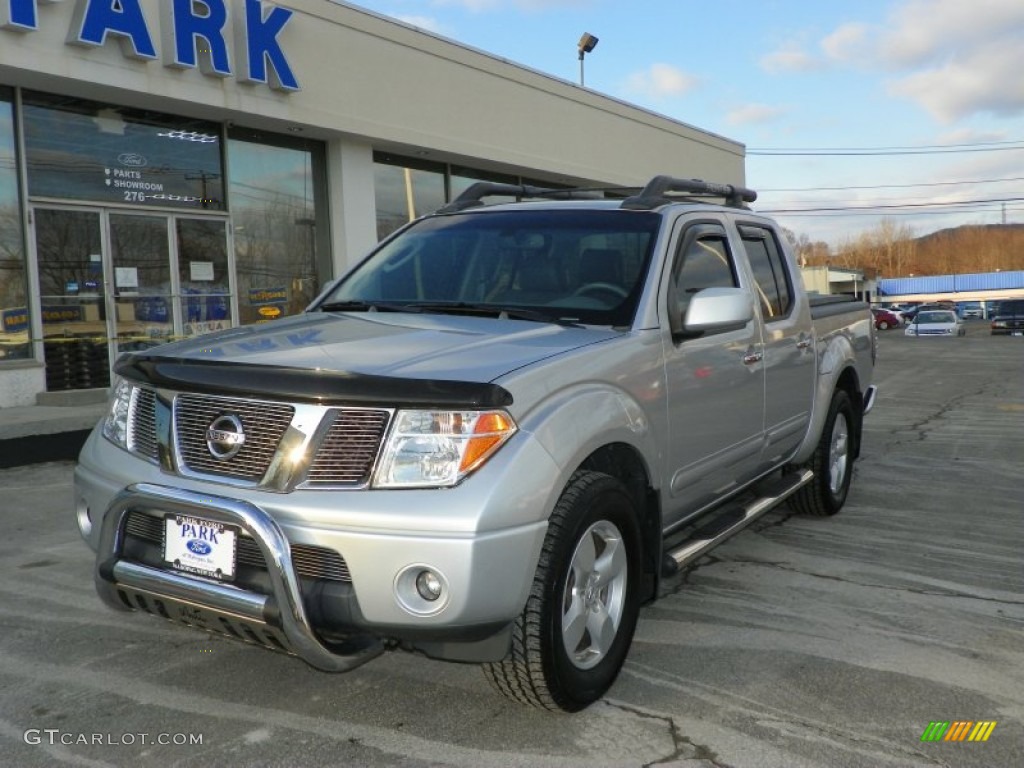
(203, 547)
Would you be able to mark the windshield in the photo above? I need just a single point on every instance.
(942, 316)
(559, 265)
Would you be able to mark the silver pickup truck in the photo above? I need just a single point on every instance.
(489, 442)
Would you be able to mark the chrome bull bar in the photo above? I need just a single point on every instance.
(282, 610)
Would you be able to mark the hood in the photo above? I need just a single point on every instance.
(428, 346)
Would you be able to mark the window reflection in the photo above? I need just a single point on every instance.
(274, 214)
(14, 323)
(203, 270)
(86, 151)
(406, 191)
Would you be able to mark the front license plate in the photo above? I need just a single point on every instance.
(203, 547)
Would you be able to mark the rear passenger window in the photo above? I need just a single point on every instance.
(770, 274)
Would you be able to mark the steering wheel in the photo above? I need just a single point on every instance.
(617, 291)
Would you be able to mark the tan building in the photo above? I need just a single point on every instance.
(172, 168)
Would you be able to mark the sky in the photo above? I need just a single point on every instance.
(914, 105)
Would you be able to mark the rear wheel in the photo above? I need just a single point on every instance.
(832, 462)
(569, 643)
(882, 325)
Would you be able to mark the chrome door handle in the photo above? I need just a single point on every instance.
(803, 344)
(750, 359)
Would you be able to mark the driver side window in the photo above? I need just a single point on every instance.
(703, 261)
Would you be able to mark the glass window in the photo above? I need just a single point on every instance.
(704, 261)
(203, 270)
(581, 266)
(275, 209)
(463, 178)
(14, 324)
(770, 272)
(86, 151)
(404, 190)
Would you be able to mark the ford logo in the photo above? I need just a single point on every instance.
(197, 547)
(132, 160)
(225, 436)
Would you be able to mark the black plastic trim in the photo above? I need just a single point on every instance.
(302, 385)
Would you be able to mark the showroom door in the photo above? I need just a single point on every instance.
(114, 281)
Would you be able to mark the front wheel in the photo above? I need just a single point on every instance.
(572, 637)
(832, 462)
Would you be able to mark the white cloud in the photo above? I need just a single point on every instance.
(754, 113)
(790, 58)
(987, 79)
(971, 136)
(848, 43)
(954, 58)
(661, 81)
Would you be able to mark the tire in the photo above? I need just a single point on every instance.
(883, 326)
(832, 462)
(558, 662)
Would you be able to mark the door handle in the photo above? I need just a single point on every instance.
(753, 357)
(803, 344)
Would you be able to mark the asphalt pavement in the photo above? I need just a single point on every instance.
(800, 642)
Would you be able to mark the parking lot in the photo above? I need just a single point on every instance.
(800, 642)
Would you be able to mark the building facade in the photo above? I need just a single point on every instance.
(173, 167)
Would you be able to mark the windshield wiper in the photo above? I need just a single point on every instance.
(367, 306)
(516, 313)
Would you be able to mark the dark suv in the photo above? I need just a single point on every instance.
(1008, 320)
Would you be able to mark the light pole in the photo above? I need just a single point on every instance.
(587, 43)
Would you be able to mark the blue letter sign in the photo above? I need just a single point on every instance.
(258, 38)
(20, 14)
(93, 20)
(190, 39)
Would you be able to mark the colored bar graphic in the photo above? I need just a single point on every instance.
(958, 730)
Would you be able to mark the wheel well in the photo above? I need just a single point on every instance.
(624, 463)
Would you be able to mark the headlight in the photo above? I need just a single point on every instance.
(115, 425)
(431, 449)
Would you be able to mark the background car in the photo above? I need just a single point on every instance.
(884, 319)
(970, 310)
(936, 322)
(1008, 319)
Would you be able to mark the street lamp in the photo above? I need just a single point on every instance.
(587, 43)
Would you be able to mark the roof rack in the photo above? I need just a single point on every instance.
(474, 194)
(656, 193)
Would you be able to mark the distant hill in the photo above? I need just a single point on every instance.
(968, 249)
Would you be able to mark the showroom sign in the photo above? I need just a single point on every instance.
(193, 34)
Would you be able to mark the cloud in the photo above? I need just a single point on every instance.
(954, 58)
(790, 58)
(971, 136)
(987, 79)
(754, 113)
(661, 81)
(849, 43)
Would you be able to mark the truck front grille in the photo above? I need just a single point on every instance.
(309, 561)
(142, 424)
(349, 450)
(264, 424)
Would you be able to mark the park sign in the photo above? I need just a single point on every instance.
(193, 34)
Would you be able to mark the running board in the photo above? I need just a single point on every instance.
(732, 521)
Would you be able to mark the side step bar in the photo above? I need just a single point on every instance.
(732, 521)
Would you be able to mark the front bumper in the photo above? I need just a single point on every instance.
(380, 537)
(277, 620)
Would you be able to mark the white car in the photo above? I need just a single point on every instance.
(936, 322)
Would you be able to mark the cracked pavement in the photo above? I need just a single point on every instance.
(799, 642)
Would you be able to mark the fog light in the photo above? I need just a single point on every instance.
(428, 585)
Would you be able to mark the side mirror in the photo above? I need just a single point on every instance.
(717, 309)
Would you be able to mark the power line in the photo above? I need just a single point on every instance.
(869, 209)
(924, 149)
(890, 186)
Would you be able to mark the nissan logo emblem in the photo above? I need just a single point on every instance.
(225, 436)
